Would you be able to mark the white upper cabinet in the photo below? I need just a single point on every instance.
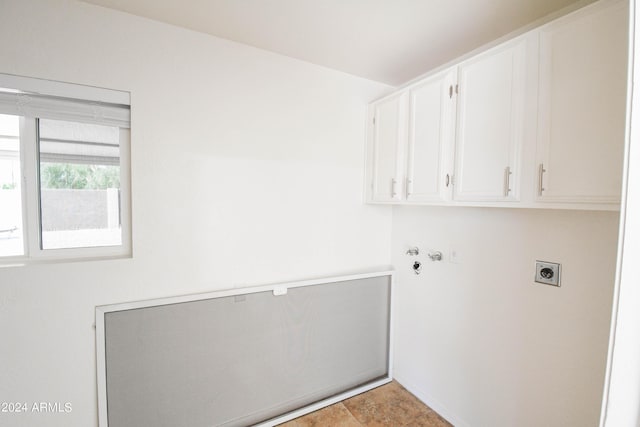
(536, 121)
(431, 135)
(491, 97)
(581, 107)
(389, 141)
(464, 130)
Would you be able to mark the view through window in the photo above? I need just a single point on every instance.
(11, 230)
(79, 184)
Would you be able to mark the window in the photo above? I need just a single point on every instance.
(64, 171)
(11, 237)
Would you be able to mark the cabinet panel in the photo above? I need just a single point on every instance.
(537, 120)
(389, 139)
(582, 101)
(489, 129)
(432, 112)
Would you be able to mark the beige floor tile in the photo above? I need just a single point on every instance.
(390, 405)
(431, 419)
(335, 416)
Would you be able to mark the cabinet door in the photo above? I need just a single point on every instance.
(490, 124)
(581, 110)
(431, 133)
(389, 140)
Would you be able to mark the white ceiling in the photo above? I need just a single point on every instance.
(390, 41)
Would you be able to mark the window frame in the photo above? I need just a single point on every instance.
(30, 179)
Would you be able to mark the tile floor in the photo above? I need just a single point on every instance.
(388, 405)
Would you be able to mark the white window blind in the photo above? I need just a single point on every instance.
(46, 99)
(58, 108)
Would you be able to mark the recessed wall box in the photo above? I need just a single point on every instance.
(548, 273)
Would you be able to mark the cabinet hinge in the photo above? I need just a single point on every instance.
(453, 180)
(456, 89)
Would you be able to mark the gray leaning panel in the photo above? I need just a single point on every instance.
(240, 360)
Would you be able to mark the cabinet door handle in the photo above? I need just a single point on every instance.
(507, 181)
(447, 180)
(541, 171)
(450, 91)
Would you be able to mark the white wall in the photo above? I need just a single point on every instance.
(262, 156)
(621, 402)
(483, 344)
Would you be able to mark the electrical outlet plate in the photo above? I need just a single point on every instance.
(548, 273)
